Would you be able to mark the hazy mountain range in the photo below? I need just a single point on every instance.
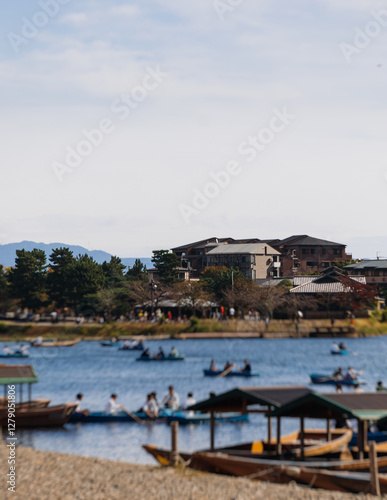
(8, 253)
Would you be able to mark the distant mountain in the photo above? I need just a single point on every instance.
(8, 253)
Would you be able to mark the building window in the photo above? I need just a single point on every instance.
(337, 251)
(324, 264)
(305, 251)
(312, 264)
(324, 251)
(312, 250)
(376, 273)
(243, 258)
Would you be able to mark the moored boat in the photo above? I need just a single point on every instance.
(14, 355)
(342, 352)
(161, 358)
(56, 343)
(318, 378)
(352, 482)
(234, 373)
(49, 416)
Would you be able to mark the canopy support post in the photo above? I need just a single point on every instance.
(329, 431)
(269, 430)
(212, 431)
(302, 438)
(29, 393)
(278, 447)
(174, 453)
(375, 485)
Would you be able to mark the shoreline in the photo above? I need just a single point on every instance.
(45, 475)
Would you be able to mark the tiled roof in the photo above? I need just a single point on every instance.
(369, 264)
(243, 248)
(306, 240)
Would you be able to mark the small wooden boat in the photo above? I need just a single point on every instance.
(164, 416)
(165, 358)
(56, 343)
(342, 352)
(50, 416)
(315, 443)
(35, 403)
(352, 482)
(138, 347)
(318, 378)
(267, 469)
(15, 355)
(234, 373)
(110, 343)
(185, 418)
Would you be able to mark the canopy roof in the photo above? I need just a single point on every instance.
(17, 374)
(240, 398)
(363, 406)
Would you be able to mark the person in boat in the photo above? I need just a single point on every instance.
(339, 388)
(190, 401)
(22, 350)
(150, 407)
(213, 366)
(227, 366)
(335, 347)
(342, 346)
(380, 387)
(173, 353)
(160, 354)
(146, 353)
(114, 340)
(127, 344)
(38, 340)
(247, 366)
(352, 374)
(338, 374)
(78, 410)
(112, 407)
(171, 399)
(7, 350)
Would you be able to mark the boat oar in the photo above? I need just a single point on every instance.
(133, 416)
(225, 372)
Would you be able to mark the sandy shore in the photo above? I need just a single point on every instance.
(45, 475)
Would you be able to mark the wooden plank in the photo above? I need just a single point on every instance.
(375, 485)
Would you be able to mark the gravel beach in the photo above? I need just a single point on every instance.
(45, 475)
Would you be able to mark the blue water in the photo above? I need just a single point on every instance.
(98, 371)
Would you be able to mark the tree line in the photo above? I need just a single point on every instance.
(82, 286)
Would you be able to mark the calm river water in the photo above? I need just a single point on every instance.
(98, 371)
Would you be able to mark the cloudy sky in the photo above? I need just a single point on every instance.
(180, 91)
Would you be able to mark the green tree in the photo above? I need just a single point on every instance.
(138, 272)
(167, 264)
(4, 292)
(113, 271)
(85, 278)
(218, 279)
(58, 278)
(28, 278)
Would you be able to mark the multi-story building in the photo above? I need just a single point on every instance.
(254, 260)
(375, 271)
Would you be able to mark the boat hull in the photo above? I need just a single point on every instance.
(342, 352)
(14, 355)
(166, 358)
(318, 378)
(58, 343)
(210, 373)
(54, 416)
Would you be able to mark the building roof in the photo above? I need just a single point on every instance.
(369, 264)
(240, 398)
(17, 374)
(329, 283)
(306, 240)
(363, 406)
(202, 243)
(242, 248)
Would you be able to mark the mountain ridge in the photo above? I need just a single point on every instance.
(8, 252)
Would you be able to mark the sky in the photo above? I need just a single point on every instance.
(134, 126)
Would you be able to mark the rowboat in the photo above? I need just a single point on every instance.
(164, 416)
(353, 482)
(266, 469)
(316, 446)
(138, 347)
(210, 373)
(342, 352)
(14, 355)
(109, 343)
(165, 358)
(318, 378)
(56, 343)
(35, 403)
(50, 416)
